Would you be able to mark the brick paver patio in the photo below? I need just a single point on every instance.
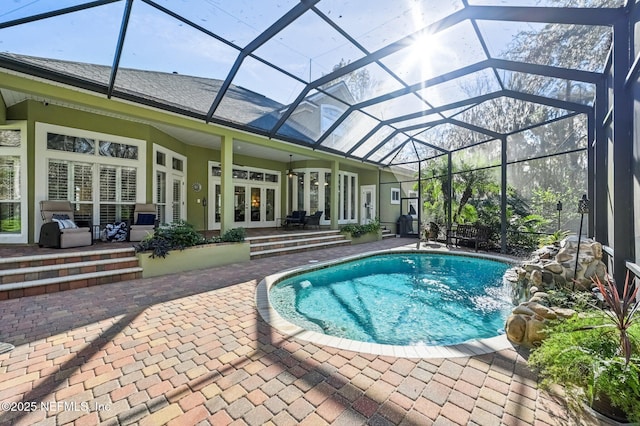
(191, 349)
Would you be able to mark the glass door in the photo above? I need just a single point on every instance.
(240, 204)
(256, 211)
(368, 207)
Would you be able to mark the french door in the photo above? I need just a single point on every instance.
(256, 197)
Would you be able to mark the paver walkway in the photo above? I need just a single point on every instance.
(191, 349)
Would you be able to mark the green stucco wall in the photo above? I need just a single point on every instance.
(197, 157)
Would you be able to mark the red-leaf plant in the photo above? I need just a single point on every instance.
(621, 310)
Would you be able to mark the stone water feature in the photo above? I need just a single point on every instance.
(551, 267)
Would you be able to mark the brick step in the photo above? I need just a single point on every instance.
(257, 247)
(387, 234)
(298, 249)
(34, 273)
(63, 257)
(65, 270)
(287, 236)
(52, 285)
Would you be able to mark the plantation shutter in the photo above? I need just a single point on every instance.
(58, 180)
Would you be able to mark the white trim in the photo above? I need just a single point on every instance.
(171, 175)
(43, 155)
(20, 152)
(395, 195)
(363, 208)
(413, 203)
(263, 185)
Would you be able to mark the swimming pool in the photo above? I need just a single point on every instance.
(404, 299)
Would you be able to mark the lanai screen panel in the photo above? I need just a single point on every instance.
(507, 115)
(458, 89)
(83, 37)
(555, 88)
(553, 138)
(385, 22)
(291, 69)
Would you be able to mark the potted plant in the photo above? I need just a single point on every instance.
(596, 355)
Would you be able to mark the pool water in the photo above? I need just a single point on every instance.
(399, 299)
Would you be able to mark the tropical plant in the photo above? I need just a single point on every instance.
(553, 238)
(596, 354)
(621, 311)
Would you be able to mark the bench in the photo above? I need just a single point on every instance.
(476, 234)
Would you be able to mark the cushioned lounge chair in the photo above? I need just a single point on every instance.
(59, 229)
(144, 221)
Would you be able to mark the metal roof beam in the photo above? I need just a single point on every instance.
(265, 36)
(547, 15)
(543, 70)
(55, 13)
(403, 43)
(119, 47)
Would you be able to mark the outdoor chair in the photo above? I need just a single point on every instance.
(313, 220)
(295, 218)
(59, 229)
(144, 221)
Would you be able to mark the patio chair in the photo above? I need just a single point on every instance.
(313, 220)
(144, 221)
(295, 218)
(59, 229)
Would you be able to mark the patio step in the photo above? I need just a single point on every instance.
(274, 245)
(53, 272)
(387, 234)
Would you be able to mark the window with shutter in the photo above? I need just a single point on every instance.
(13, 164)
(58, 180)
(101, 175)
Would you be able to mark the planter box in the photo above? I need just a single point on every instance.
(366, 238)
(191, 258)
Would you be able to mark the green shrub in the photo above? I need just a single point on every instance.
(173, 236)
(357, 230)
(583, 354)
(179, 235)
(235, 235)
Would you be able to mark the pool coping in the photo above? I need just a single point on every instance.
(466, 349)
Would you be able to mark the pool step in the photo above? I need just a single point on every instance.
(52, 272)
(274, 245)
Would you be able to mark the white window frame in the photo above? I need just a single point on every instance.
(43, 155)
(170, 173)
(413, 203)
(21, 152)
(395, 195)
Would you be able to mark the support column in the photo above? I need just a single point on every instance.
(3, 111)
(601, 172)
(591, 191)
(335, 196)
(623, 209)
(449, 190)
(226, 184)
(503, 195)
